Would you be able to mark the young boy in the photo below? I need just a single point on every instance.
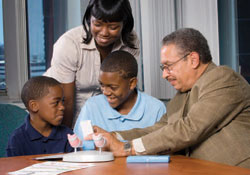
(41, 133)
(121, 106)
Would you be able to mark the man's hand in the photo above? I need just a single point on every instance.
(112, 143)
(97, 130)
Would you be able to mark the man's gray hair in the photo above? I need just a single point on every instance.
(189, 40)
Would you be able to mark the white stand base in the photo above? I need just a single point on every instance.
(88, 156)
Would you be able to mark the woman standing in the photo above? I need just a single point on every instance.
(107, 26)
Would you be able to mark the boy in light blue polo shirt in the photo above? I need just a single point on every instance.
(121, 106)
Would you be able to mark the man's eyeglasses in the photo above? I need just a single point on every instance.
(168, 67)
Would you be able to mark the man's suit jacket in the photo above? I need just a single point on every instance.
(211, 121)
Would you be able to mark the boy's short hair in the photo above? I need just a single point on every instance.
(122, 62)
(36, 88)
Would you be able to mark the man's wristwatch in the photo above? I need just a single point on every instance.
(127, 147)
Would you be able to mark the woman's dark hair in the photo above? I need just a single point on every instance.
(110, 11)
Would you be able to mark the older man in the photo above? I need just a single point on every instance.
(209, 117)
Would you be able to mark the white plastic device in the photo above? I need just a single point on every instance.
(88, 156)
(93, 155)
(86, 127)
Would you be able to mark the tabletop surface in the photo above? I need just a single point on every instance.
(179, 165)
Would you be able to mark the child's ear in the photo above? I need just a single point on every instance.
(133, 83)
(33, 106)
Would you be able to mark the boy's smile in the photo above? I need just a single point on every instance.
(117, 90)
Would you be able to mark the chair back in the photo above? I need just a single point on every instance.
(11, 117)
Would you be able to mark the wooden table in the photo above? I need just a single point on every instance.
(179, 165)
